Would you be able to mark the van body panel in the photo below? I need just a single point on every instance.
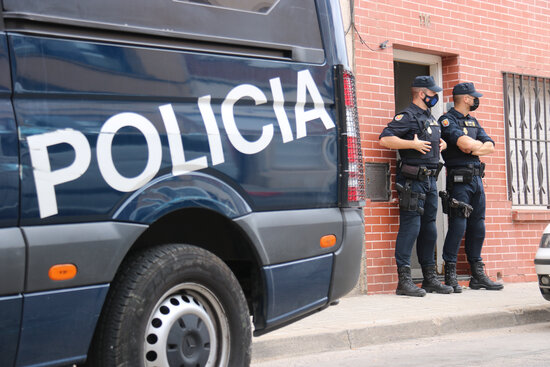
(10, 324)
(82, 85)
(58, 326)
(9, 151)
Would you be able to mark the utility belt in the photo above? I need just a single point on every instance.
(420, 173)
(466, 174)
(453, 207)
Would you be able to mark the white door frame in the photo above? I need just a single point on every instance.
(436, 70)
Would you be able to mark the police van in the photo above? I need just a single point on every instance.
(174, 175)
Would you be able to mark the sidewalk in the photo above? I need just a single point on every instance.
(365, 320)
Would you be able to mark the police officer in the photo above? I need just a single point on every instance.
(416, 134)
(467, 142)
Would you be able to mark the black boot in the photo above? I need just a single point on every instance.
(406, 287)
(480, 280)
(430, 282)
(450, 277)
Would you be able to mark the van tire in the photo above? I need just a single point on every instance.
(177, 303)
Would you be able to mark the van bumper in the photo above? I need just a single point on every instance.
(347, 259)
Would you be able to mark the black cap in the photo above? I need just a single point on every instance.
(466, 88)
(426, 81)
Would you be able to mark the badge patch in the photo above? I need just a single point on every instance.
(398, 117)
(465, 131)
(445, 122)
(429, 130)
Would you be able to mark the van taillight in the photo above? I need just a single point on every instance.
(352, 177)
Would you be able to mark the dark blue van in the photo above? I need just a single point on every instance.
(170, 169)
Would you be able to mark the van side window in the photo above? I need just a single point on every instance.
(255, 6)
(277, 29)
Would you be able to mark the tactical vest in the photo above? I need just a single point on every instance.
(453, 156)
(429, 131)
(469, 127)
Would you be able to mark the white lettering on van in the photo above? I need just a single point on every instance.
(278, 107)
(214, 138)
(46, 180)
(307, 84)
(179, 165)
(105, 156)
(233, 133)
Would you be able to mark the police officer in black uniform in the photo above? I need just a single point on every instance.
(464, 200)
(416, 133)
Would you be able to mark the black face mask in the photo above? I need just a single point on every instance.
(430, 101)
(475, 105)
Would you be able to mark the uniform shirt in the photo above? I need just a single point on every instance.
(414, 120)
(453, 126)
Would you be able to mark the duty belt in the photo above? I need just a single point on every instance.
(472, 170)
(418, 172)
(430, 172)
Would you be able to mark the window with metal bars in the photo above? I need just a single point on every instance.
(527, 119)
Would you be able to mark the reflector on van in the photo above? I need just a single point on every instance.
(62, 272)
(328, 241)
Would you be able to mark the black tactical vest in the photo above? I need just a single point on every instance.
(429, 130)
(470, 127)
(453, 156)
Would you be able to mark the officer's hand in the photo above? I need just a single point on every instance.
(422, 146)
(442, 144)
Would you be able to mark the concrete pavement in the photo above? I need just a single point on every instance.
(370, 319)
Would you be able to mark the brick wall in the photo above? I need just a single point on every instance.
(477, 41)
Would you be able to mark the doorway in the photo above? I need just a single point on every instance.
(407, 65)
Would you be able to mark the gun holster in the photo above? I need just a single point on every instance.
(408, 199)
(453, 207)
(445, 196)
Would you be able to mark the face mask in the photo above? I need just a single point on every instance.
(475, 105)
(430, 101)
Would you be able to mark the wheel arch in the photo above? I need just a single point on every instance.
(170, 194)
(212, 231)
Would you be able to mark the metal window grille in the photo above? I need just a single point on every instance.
(527, 118)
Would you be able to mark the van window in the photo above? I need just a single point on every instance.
(287, 29)
(256, 6)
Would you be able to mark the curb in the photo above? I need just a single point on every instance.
(379, 334)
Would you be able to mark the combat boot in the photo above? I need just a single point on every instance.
(480, 280)
(430, 282)
(406, 287)
(450, 277)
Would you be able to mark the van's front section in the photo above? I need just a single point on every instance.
(121, 128)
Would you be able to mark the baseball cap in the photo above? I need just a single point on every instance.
(466, 88)
(426, 81)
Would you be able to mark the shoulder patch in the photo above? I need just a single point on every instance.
(445, 122)
(398, 117)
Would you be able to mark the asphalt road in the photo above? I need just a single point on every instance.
(524, 346)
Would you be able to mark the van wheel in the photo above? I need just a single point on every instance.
(173, 305)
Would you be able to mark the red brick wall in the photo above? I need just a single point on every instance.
(477, 40)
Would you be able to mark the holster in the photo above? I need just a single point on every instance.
(454, 207)
(445, 196)
(460, 208)
(482, 170)
(408, 199)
